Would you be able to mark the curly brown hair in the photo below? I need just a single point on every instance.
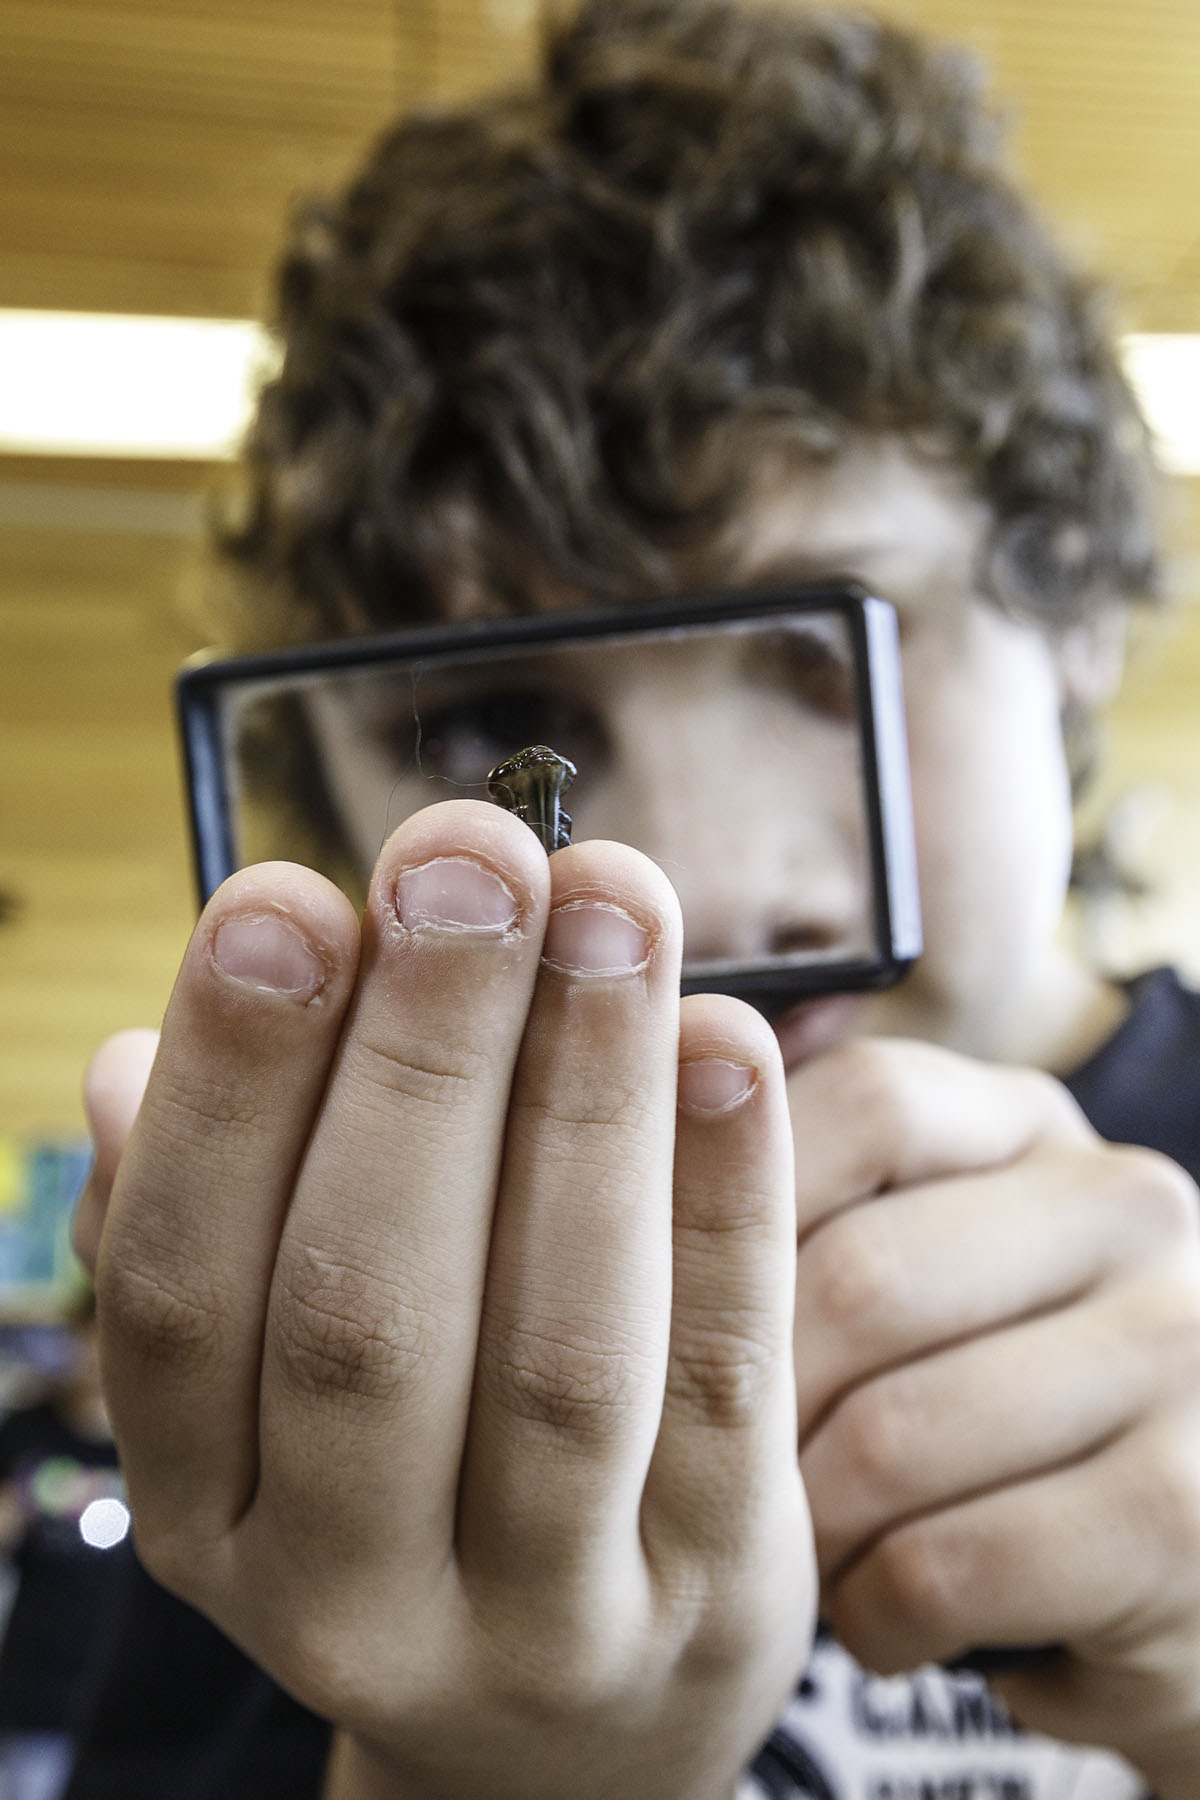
(550, 325)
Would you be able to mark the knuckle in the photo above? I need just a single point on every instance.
(428, 1075)
(582, 1107)
(1180, 1505)
(341, 1332)
(560, 1677)
(705, 1210)
(314, 1667)
(1167, 1490)
(873, 1083)
(853, 1271)
(1164, 1197)
(723, 1646)
(323, 1657)
(1049, 1101)
(874, 1431)
(724, 1377)
(192, 1111)
(1161, 1316)
(550, 1378)
(745, 1617)
(921, 1583)
(161, 1316)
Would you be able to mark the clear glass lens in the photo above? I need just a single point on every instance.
(729, 753)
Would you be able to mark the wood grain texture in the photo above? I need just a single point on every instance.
(1102, 100)
(92, 851)
(152, 148)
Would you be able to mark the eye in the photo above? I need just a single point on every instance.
(811, 669)
(462, 740)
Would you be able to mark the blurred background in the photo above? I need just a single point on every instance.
(151, 149)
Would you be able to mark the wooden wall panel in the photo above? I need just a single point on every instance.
(92, 847)
(152, 147)
(1103, 99)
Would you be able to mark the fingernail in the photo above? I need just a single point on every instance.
(263, 950)
(712, 1085)
(588, 937)
(454, 893)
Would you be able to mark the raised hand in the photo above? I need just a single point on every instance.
(998, 1367)
(449, 1357)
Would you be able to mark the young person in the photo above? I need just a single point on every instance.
(511, 1359)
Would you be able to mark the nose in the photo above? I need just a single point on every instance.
(751, 882)
(764, 844)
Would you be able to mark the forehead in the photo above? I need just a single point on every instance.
(909, 529)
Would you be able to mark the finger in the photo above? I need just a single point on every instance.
(997, 1410)
(197, 1204)
(724, 1466)
(1076, 1556)
(1130, 1618)
(874, 1115)
(887, 1280)
(375, 1305)
(113, 1085)
(573, 1339)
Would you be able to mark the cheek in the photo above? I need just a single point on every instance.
(993, 818)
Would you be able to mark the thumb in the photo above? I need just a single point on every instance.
(113, 1085)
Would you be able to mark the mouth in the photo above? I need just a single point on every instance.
(812, 1026)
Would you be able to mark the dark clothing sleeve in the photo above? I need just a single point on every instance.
(1143, 1085)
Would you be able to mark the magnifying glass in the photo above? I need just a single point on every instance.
(752, 744)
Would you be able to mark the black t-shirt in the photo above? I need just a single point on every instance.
(64, 1583)
(1143, 1085)
(182, 1715)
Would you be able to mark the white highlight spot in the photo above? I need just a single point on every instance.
(103, 1523)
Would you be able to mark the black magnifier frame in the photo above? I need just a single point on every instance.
(205, 682)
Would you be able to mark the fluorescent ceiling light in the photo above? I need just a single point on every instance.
(1164, 368)
(108, 384)
(102, 384)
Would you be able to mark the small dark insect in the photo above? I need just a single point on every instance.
(531, 784)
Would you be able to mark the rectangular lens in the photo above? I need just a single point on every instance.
(734, 742)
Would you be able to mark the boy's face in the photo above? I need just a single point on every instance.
(984, 695)
(757, 867)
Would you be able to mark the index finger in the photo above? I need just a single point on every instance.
(878, 1114)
